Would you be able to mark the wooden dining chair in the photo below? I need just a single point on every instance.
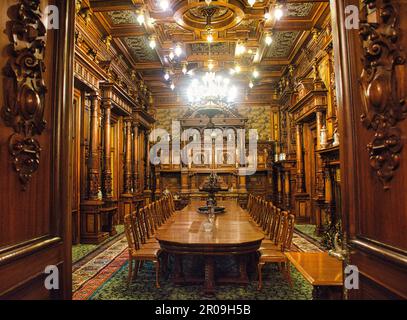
(250, 203)
(147, 237)
(155, 214)
(276, 255)
(167, 207)
(171, 203)
(139, 253)
(160, 212)
(272, 239)
(256, 210)
(267, 217)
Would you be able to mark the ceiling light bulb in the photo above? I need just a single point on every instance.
(208, 2)
(255, 73)
(166, 76)
(172, 86)
(140, 18)
(251, 2)
(209, 38)
(278, 13)
(240, 49)
(164, 4)
(237, 69)
(268, 39)
(210, 65)
(267, 16)
(251, 85)
(171, 55)
(152, 43)
(178, 50)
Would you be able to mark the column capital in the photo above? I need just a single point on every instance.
(94, 95)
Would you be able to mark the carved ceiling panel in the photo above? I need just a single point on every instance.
(140, 49)
(283, 43)
(299, 9)
(218, 48)
(122, 17)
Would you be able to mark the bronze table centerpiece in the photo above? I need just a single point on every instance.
(212, 186)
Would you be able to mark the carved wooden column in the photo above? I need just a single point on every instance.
(331, 117)
(127, 157)
(107, 170)
(91, 220)
(319, 127)
(319, 183)
(184, 181)
(126, 200)
(93, 159)
(147, 168)
(270, 185)
(330, 205)
(287, 193)
(141, 160)
(300, 162)
(157, 191)
(242, 191)
(279, 188)
(135, 158)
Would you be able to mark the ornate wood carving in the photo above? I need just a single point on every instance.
(383, 108)
(24, 89)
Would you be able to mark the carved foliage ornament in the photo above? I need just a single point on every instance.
(383, 108)
(24, 88)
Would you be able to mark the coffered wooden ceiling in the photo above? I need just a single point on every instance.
(185, 23)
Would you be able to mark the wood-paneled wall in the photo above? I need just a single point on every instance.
(373, 154)
(35, 189)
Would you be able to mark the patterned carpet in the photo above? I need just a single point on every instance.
(80, 251)
(310, 231)
(105, 278)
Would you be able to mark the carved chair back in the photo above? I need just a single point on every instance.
(276, 225)
(287, 231)
(132, 232)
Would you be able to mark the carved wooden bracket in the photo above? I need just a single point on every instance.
(24, 88)
(383, 108)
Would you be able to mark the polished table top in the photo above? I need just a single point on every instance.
(319, 268)
(233, 227)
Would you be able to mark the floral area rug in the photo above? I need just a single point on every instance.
(105, 278)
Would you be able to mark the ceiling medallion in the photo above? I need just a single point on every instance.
(194, 16)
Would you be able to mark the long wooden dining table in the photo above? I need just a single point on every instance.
(233, 234)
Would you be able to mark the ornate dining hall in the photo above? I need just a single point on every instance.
(203, 150)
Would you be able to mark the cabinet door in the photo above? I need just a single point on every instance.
(34, 148)
(370, 82)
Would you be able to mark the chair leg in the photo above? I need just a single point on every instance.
(164, 262)
(157, 273)
(130, 277)
(259, 271)
(136, 269)
(288, 273)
